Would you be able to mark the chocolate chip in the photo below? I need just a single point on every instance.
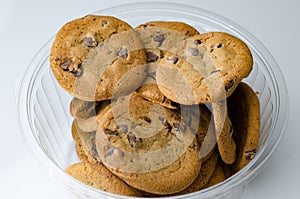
(77, 71)
(131, 139)
(144, 26)
(110, 132)
(219, 46)
(174, 104)
(159, 38)
(164, 99)
(148, 120)
(56, 59)
(173, 60)
(211, 48)
(194, 51)
(197, 42)
(124, 128)
(229, 85)
(109, 152)
(104, 23)
(123, 52)
(179, 128)
(165, 123)
(249, 155)
(89, 42)
(66, 65)
(151, 57)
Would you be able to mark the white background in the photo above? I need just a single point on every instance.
(26, 25)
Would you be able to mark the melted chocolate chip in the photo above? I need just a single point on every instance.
(123, 53)
(159, 38)
(89, 42)
(124, 128)
(109, 152)
(104, 23)
(148, 120)
(173, 60)
(179, 128)
(110, 132)
(165, 123)
(229, 85)
(77, 72)
(151, 57)
(197, 42)
(66, 65)
(194, 51)
(144, 26)
(131, 139)
(219, 46)
(56, 59)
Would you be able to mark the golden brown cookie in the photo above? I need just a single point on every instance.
(148, 146)
(224, 132)
(159, 36)
(80, 109)
(217, 177)
(97, 58)
(86, 113)
(203, 68)
(206, 134)
(244, 112)
(85, 144)
(150, 91)
(204, 176)
(97, 176)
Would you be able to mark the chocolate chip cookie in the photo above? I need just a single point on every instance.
(204, 176)
(85, 144)
(85, 113)
(244, 111)
(159, 36)
(93, 58)
(148, 146)
(97, 176)
(203, 68)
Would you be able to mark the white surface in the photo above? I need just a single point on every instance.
(26, 25)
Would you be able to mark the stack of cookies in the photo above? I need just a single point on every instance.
(160, 109)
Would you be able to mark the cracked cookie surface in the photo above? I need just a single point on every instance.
(97, 58)
(203, 68)
(148, 146)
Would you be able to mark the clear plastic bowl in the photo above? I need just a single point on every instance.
(44, 107)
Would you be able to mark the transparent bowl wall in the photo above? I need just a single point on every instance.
(44, 106)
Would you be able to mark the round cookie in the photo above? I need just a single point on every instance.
(163, 35)
(85, 144)
(159, 36)
(150, 91)
(80, 109)
(203, 68)
(148, 146)
(200, 121)
(217, 177)
(97, 176)
(244, 111)
(204, 176)
(97, 58)
(86, 113)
